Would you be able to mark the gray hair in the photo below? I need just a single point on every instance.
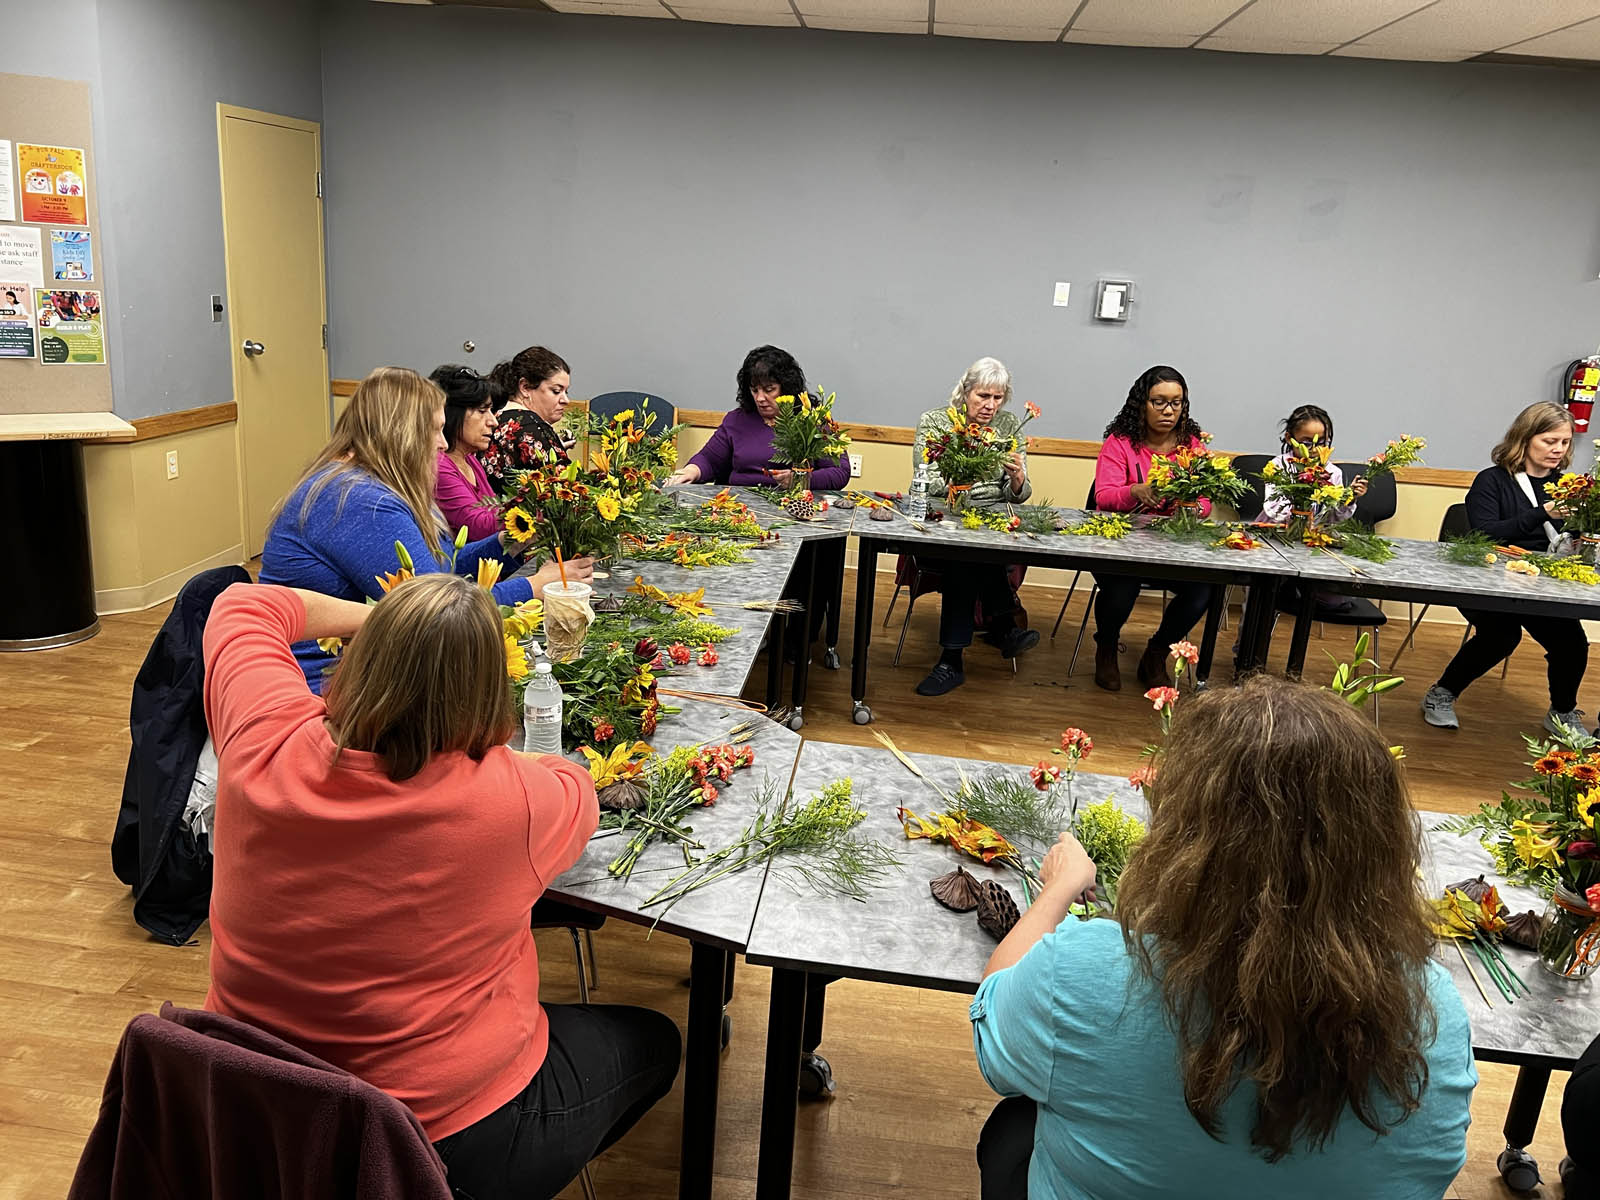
(986, 372)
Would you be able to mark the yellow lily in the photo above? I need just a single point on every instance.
(488, 572)
(624, 762)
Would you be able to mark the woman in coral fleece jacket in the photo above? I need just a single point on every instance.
(377, 855)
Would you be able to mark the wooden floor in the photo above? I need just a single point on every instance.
(74, 968)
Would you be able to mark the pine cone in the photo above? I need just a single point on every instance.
(1523, 930)
(622, 796)
(957, 891)
(997, 911)
(1476, 888)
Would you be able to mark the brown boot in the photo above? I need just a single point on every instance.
(1153, 668)
(1106, 672)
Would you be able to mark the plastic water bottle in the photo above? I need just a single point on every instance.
(917, 504)
(541, 713)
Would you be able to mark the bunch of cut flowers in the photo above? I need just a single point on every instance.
(805, 433)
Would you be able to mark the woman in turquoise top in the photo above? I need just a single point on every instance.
(1279, 874)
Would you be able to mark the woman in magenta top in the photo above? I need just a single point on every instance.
(462, 490)
(1154, 420)
(740, 451)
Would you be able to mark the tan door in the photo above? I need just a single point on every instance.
(272, 234)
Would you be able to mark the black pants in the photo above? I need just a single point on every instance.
(1580, 1113)
(1496, 635)
(606, 1066)
(1005, 1148)
(826, 590)
(965, 584)
(1118, 593)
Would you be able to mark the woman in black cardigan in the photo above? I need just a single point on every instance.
(1508, 501)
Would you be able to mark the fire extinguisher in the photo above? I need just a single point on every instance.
(1578, 389)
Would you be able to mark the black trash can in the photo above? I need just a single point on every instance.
(44, 540)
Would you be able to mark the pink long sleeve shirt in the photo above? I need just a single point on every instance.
(462, 503)
(1121, 465)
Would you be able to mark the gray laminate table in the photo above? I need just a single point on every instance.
(1142, 553)
(886, 939)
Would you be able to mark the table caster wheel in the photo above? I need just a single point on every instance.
(796, 721)
(1518, 1169)
(727, 1030)
(830, 659)
(816, 1077)
(861, 714)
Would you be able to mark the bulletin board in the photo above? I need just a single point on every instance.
(40, 111)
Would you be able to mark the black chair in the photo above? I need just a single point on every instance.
(609, 404)
(1249, 466)
(1454, 525)
(1382, 496)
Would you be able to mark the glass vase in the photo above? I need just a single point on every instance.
(1588, 548)
(1569, 935)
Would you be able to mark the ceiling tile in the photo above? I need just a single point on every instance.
(1324, 21)
(998, 33)
(855, 25)
(1481, 25)
(1089, 37)
(866, 10)
(608, 8)
(762, 7)
(1171, 17)
(723, 16)
(996, 13)
(1417, 53)
(1263, 45)
(1581, 41)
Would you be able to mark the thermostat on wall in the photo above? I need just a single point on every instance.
(1112, 298)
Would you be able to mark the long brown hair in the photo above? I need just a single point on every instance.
(425, 675)
(1541, 417)
(1274, 904)
(389, 431)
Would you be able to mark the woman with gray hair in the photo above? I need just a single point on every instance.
(982, 392)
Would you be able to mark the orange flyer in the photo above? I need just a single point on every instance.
(55, 187)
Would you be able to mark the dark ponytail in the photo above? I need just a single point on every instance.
(531, 366)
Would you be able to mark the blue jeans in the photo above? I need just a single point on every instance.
(607, 1064)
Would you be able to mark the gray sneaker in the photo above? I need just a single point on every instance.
(1439, 708)
(1559, 724)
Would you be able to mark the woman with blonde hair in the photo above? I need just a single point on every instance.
(1510, 502)
(377, 857)
(370, 488)
(1263, 1017)
(982, 395)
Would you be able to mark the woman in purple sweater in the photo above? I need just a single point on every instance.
(740, 451)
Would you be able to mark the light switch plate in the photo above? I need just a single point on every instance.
(1063, 290)
(172, 464)
(855, 466)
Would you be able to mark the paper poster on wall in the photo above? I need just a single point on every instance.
(70, 257)
(16, 321)
(8, 197)
(70, 329)
(21, 255)
(55, 190)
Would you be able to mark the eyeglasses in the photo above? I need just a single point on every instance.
(1165, 405)
(465, 373)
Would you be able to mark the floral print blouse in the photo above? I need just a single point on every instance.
(523, 439)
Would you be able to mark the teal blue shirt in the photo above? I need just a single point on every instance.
(1063, 1028)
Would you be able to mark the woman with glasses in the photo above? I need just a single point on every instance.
(531, 398)
(463, 491)
(1154, 420)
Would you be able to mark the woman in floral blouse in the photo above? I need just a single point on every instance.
(532, 388)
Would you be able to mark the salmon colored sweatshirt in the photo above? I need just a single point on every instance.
(380, 926)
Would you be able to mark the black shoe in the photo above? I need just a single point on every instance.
(1018, 642)
(944, 678)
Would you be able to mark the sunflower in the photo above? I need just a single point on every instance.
(519, 524)
(1549, 765)
(609, 507)
(1585, 773)
(516, 659)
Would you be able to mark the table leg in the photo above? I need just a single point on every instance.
(1255, 629)
(802, 663)
(866, 590)
(1208, 639)
(779, 1093)
(708, 975)
(1264, 622)
(775, 631)
(1302, 631)
(830, 657)
(1527, 1098)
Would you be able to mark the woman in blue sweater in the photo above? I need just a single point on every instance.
(373, 486)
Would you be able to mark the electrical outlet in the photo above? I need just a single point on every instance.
(855, 466)
(172, 464)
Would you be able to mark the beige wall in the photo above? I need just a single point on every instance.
(148, 533)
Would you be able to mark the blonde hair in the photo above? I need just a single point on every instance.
(425, 675)
(389, 432)
(1274, 907)
(1546, 415)
(986, 372)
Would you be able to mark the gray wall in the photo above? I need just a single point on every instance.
(157, 69)
(1413, 245)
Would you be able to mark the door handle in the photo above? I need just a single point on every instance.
(251, 349)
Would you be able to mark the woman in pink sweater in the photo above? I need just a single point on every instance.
(378, 853)
(1154, 420)
(462, 491)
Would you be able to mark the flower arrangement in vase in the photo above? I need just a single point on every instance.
(1190, 474)
(805, 433)
(1578, 494)
(1306, 482)
(570, 511)
(970, 452)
